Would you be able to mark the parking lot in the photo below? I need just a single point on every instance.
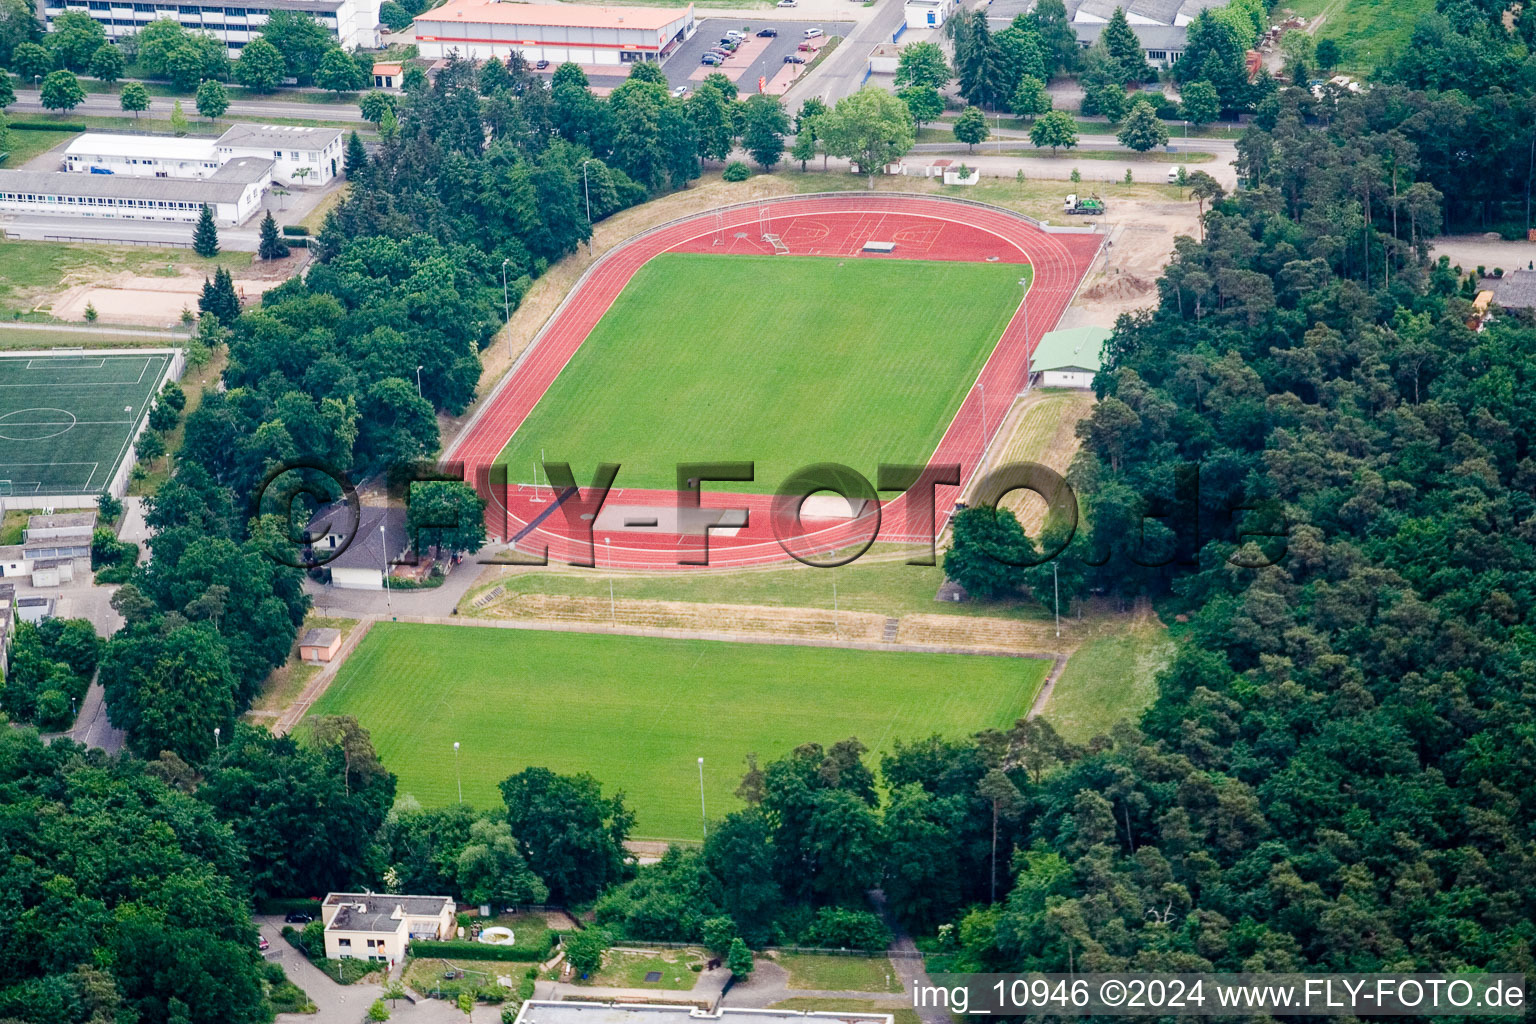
(760, 58)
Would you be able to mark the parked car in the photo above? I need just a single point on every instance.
(805, 47)
(733, 34)
(680, 91)
(262, 943)
(711, 59)
(299, 917)
(812, 33)
(768, 33)
(788, 3)
(541, 65)
(793, 58)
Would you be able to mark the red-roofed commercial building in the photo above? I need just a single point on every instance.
(580, 33)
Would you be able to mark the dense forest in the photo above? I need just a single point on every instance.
(1337, 773)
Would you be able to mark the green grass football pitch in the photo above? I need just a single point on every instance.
(781, 360)
(66, 420)
(637, 712)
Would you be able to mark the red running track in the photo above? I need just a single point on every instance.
(922, 228)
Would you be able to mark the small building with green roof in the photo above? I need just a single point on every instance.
(1068, 358)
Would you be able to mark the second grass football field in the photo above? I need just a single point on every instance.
(638, 712)
(780, 360)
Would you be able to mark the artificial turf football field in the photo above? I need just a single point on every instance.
(637, 712)
(780, 360)
(66, 420)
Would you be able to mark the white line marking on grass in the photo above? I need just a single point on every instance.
(64, 364)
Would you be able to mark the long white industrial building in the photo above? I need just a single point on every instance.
(579, 33)
(354, 23)
(233, 192)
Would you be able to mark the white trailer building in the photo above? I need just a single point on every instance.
(582, 34)
(304, 156)
(142, 156)
(354, 23)
(233, 192)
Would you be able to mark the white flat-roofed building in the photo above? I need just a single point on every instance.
(354, 23)
(306, 156)
(233, 192)
(144, 156)
(379, 927)
(927, 13)
(580, 33)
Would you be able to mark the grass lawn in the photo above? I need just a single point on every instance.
(781, 360)
(284, 683)
(885, 587)
(425, 975)
(1110, 678)
(23, 146)
(901, 1014)
(1036, 197)
(24, 338)
(637, 711)
(629, 970)
(845, 973)
(314, 220)
(14, 524)
(1368, 31)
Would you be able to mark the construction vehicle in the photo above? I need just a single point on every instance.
(1088, 206)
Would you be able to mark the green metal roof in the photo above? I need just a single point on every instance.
(1077, 347)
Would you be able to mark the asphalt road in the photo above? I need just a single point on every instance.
(108, 105)
(40, 229)
(1225, 149)
(842, 73)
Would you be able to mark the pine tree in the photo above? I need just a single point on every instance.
(206, 238)
(1125, 49)
(272, 246)
(356, 159)
(219, 299)
(977, 59)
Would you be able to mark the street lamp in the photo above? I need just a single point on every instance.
(1028, 350)
(506, 304)
(418, 382)
(215, 737)
(1056, 586)
(384, 552)
(456, 774)
(586, 191)
(703, 819)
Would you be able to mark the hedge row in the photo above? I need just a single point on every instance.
(48, 126)
(289, 906)
(464, 950)
(295, 229)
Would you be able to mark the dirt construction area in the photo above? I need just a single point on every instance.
(158, 300)
(1125, 277)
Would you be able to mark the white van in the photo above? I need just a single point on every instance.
(812, 33)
